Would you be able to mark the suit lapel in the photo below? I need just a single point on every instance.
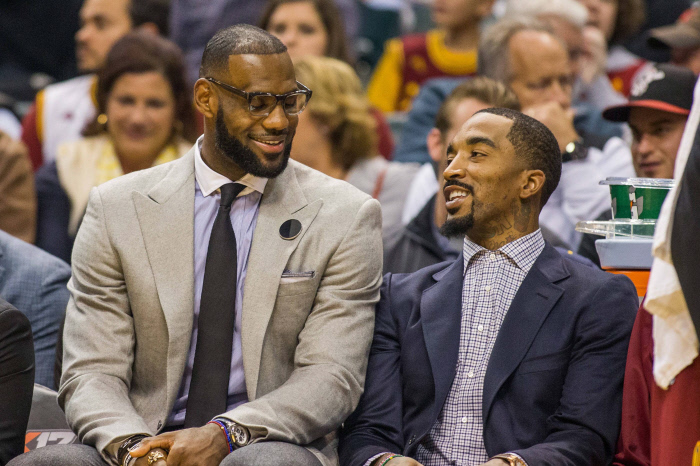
(531, 305)
(166, 217)
(282, 200)
(441, 315)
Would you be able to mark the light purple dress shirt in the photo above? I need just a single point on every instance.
(244, 215)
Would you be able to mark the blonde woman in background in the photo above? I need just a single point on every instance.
(337, 135)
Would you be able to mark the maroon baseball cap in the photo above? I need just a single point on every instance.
(663, 87)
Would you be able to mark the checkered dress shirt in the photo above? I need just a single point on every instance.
(491, 280)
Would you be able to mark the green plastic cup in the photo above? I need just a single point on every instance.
(637, 198)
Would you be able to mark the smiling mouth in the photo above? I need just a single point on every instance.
(270, 145)
(454, 197)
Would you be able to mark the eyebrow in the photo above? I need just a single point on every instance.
(654, 123)
(450, 149)
(480, 140)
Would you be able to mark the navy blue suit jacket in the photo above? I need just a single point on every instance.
(553, 385)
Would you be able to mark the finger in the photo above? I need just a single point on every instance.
(148, 444)
(175, 458)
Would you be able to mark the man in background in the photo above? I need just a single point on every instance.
(657, 111)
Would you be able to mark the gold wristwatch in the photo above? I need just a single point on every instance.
(512, 459)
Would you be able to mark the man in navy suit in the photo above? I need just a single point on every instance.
(511, 354)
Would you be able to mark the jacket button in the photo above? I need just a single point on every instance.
(412, 440)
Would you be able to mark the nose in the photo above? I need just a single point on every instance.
(277, 119)
(593, 7)
(138, 115)
(454, 170)
(560, 94)
(644, 145)
(82, 34)
(288, 37)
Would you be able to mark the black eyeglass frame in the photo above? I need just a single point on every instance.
(249, 96)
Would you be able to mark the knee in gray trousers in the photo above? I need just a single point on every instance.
(60, 455)
(271, 454)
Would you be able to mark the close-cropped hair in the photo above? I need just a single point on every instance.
(494, 46)
(536, 144)
(151, 11)
(339, 104)
(240, 39)
(330, 17)
(486, 90)
(631, 15)
(569, 10)
(142, 52)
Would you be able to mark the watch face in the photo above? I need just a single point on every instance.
(240, 435)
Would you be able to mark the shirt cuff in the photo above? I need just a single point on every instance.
(369, 461)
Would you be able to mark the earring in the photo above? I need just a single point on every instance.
(102, 119)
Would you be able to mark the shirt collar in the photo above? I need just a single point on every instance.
(523, 251)
(210, 181)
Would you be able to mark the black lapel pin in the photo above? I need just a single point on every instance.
(290, 229)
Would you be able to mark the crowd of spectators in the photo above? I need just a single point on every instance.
(142, 88)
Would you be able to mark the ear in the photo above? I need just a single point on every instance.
(533, 184)
(205, 100)
(436, 148)
(150, 28)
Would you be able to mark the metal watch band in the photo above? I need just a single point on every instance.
(126, 445)
(513, 460)
(240, 436)
(574, 150)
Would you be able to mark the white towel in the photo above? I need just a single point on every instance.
(675, 339)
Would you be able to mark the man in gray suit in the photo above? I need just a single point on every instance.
(34, 282)
(138, 384)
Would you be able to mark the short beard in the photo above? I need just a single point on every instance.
(458, 226)
(245, 158)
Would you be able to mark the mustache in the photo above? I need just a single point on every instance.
(466, 187)
(281, 132)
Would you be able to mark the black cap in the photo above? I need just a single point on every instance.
(659, 86)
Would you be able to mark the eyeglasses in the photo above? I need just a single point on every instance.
(262, 103)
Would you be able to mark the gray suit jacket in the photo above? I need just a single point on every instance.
(305, 341)
(34, 282)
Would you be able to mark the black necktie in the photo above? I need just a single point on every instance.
(217, 314)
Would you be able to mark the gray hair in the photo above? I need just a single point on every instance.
(494, 50)
(569, 10)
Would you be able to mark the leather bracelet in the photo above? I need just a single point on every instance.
(389, 458)
(127, 445)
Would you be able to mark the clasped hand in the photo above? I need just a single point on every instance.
(200, 446)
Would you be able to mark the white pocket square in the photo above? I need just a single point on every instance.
(294, 277)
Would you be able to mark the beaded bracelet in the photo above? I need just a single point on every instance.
(389, 458)
(226, 433)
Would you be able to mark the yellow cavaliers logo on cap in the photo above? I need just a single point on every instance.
(696, 455)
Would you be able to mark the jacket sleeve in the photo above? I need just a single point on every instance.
(585, 427)
(97, 371)
(376, 426)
